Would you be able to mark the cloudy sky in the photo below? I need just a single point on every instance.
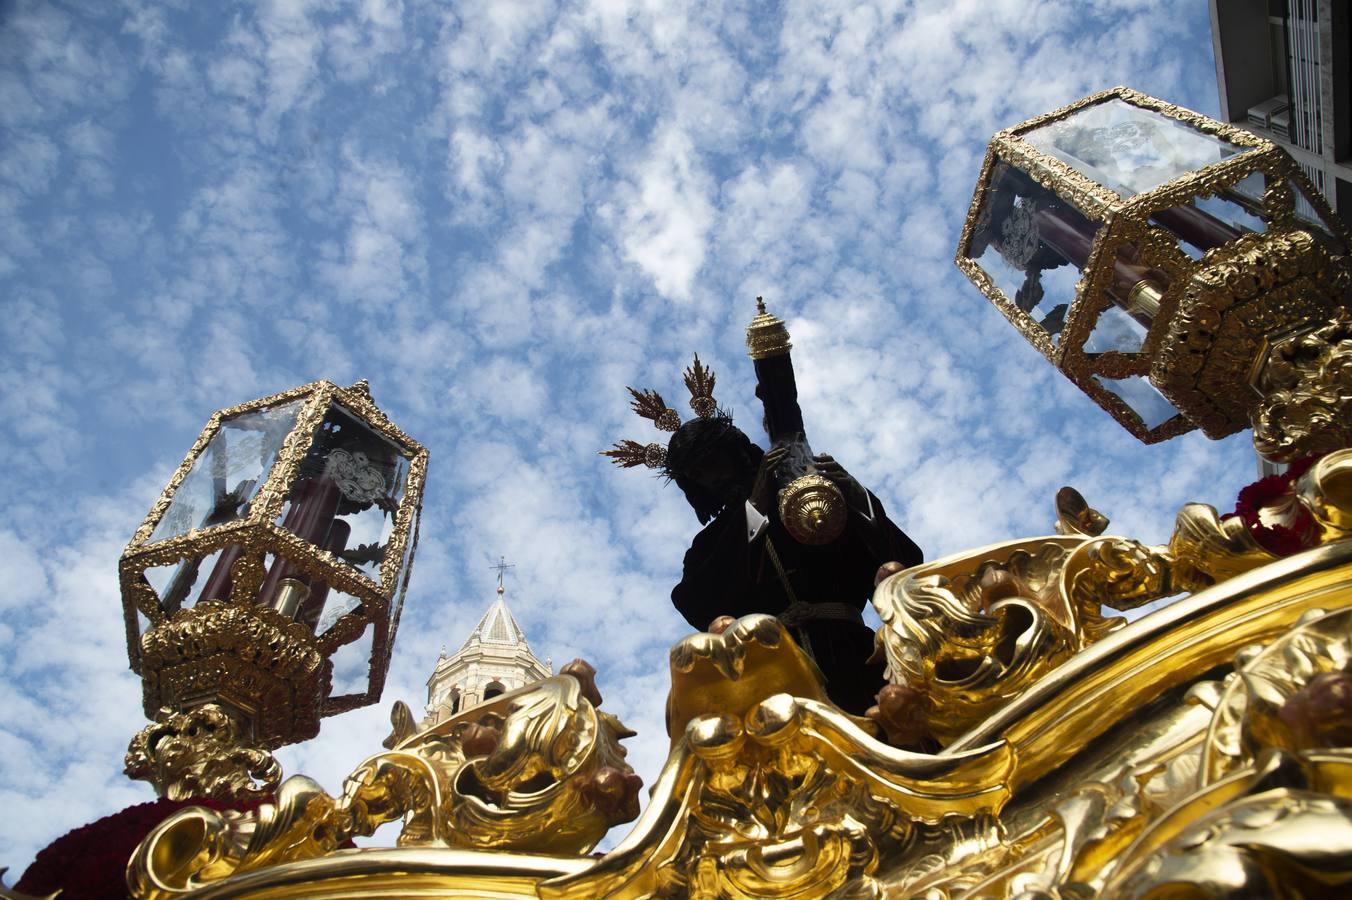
(501, 213)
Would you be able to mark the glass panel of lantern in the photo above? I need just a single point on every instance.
(343, 496)
(1127, 148)
(1141, 397)
(1208, 221)
(348, 490)
(1033, 245)
(229, 472)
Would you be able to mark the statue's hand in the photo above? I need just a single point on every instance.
(763, 491)
(852, 490)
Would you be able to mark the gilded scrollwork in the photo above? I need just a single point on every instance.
(1261, 285)
(536, 770)
(1060, 855)
(1206, 549)
(1284, 842)
(1243, 790)
(202, 753)
(971, 640)
(1291, 695)
(965, 635)
(1325, 490)
(770, 791)
(1271, 813)
(248, 655)
(1308, 380)
(1074, 515)
(1123, 574)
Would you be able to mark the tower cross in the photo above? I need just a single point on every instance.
(502, 566)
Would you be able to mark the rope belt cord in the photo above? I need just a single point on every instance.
(798, 613)
(801, 634)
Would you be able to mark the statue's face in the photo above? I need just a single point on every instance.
(719, 473)
(714, 463)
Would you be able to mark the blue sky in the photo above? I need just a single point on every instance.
(501, 214)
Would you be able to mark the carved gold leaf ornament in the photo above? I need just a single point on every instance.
(1309, 407)
(202, 753)
(1326, 491)
(969, 633)
(1272, 806)
(977, 630)
(1266, 702)
(1133, 786)
(1074, 515)
(772, 791)
(535, 770)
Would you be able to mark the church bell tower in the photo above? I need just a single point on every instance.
(494, 659)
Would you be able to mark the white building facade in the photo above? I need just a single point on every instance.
(1284, 71)
(494, 659)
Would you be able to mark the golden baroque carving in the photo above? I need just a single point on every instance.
(1325, 490)
(1271, 814)
(971, 633)
(1074, 515)
(246, 655)
(1261, 285)
(1284, 842)
(964, 635)
(201, 753)
(1123, 574)
(772, 792)
(536, 770)
(1292, 695)
(1240, 788)
(1308, 407)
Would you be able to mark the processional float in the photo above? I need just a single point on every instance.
(1033, 744)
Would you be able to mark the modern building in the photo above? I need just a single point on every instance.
(494, 659)
(1282, 69)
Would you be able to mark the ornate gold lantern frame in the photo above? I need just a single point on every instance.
(157, 652)
(1126, 221)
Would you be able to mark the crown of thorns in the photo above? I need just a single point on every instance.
(699, 380)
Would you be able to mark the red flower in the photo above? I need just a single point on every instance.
(1276, 494)
(90, 862)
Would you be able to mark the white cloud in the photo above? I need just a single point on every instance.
(667, 216)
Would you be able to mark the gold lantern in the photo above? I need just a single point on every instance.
(268, 578)
(1153, 255)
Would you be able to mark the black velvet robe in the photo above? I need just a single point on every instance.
(724, 574)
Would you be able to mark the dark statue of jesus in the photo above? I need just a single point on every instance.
(744, 561)
(813, 576)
